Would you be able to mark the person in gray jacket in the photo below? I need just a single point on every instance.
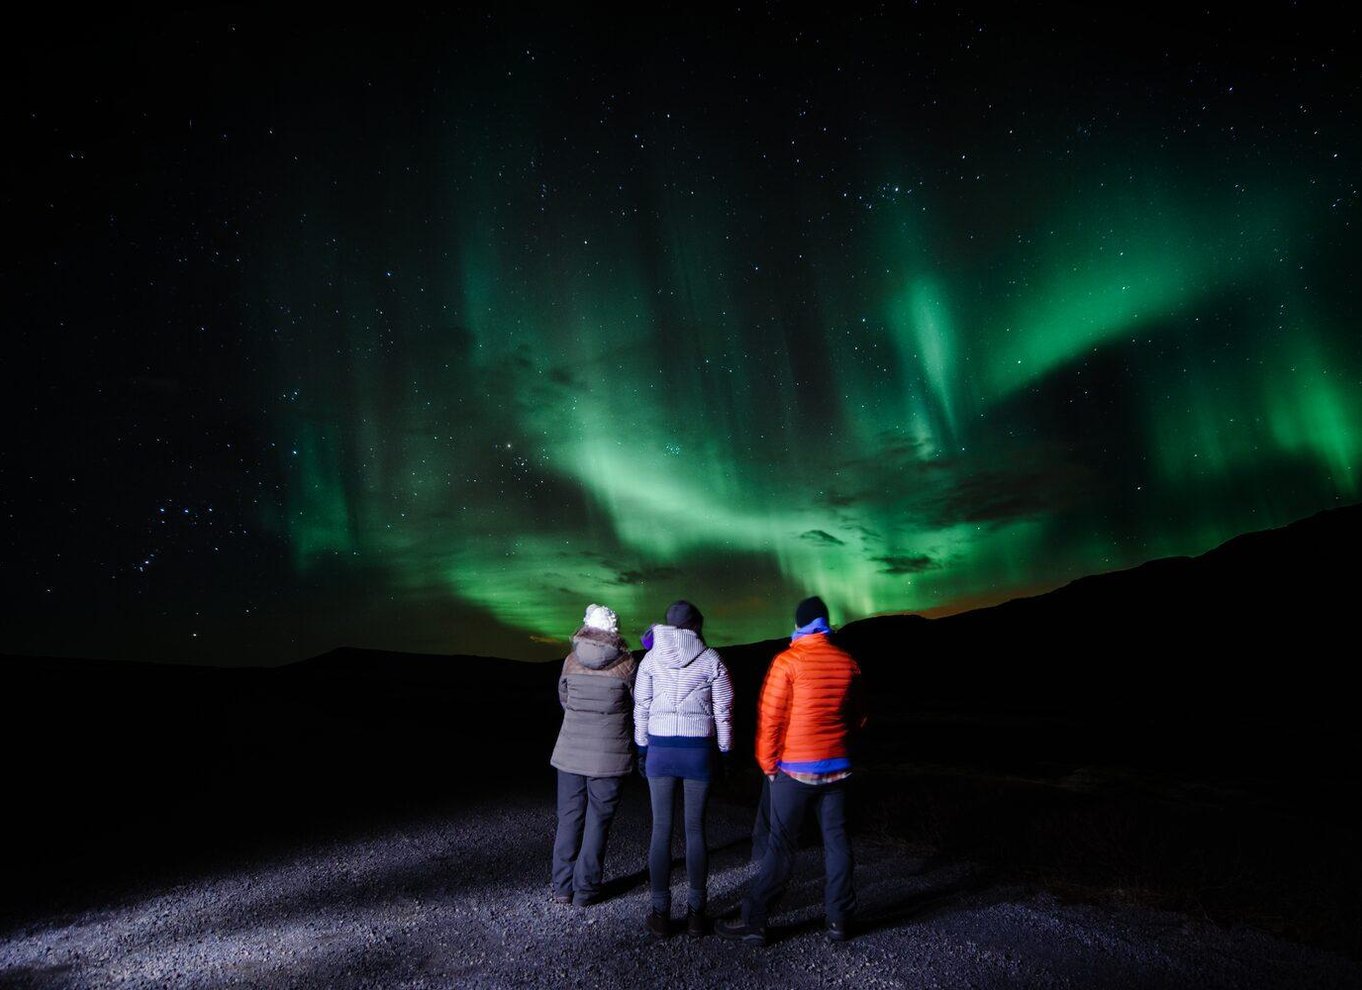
(593, 754)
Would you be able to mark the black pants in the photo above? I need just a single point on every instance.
(790, 802)
(586, 806)
(695, 794)
(761, 828)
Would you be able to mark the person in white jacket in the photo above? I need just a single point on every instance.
(683, 712)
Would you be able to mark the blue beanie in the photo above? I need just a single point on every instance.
(684, 615)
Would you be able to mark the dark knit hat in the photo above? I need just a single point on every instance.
(684, 615)
(810, 609)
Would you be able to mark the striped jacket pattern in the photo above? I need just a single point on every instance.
(683, 689)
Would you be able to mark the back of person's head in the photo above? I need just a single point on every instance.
(683, 615)
(810, 609)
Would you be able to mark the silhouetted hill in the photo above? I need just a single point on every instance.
(1279, 583)
(439, 668)
(1256, 620)
(482, 682)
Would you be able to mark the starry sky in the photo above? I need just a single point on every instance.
(422, 334)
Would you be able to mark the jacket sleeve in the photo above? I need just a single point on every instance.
(562, 682)
(773, 714)
(643, 701)
(722, 692)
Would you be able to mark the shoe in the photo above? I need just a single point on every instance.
(586, 900)
(562, 898)
(837, 931)
(659, 925)
(737, 930)
(697, 925)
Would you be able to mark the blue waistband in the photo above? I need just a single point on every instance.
(681, 742)
(834, 765)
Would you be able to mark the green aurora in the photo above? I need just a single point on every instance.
(635, 384)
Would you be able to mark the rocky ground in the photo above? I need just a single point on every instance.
(461, 900)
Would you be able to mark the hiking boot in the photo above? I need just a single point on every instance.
(562, 898)
(697, 924)
(659, 925)
(737, 930)
(837, 931)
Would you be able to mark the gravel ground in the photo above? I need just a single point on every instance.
(462, 901)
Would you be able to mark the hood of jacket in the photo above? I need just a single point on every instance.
(676, 647)
(597, 649)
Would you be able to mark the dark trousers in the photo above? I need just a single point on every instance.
(761, 828)
(586, 806)
(790, 801)
(695, 794)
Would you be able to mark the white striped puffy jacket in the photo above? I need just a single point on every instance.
(683, 689)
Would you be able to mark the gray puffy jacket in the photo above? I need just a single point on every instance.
(596, 690)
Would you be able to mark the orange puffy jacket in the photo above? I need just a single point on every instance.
(809, 705)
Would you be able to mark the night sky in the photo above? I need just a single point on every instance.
(424, 334)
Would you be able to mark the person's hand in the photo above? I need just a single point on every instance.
(726, 763)
(643, 762)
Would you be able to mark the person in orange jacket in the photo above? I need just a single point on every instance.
(810, 706)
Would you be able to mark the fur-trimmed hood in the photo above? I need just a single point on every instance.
(597, 649)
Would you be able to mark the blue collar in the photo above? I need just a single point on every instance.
(818, 625)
